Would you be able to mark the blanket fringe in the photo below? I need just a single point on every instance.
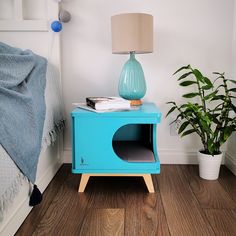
(51, 136)
(8, 196)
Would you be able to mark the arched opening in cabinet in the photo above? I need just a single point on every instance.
(134, 143)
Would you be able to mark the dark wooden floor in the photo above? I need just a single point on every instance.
(183, 204)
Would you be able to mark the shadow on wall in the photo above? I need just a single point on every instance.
(231, 153)
(231, 147)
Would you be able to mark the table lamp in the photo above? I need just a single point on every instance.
(132, 33)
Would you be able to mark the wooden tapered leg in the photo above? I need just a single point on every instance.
(83, 182)
(148, 181)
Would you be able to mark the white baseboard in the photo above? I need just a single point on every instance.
(177, 157)
(67, 156)
(174, 157)
(165, 156)
(230, 162)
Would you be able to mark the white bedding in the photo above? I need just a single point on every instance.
(10, 175)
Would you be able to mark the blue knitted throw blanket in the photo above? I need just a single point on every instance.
(22, 106)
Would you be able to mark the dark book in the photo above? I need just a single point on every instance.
(107, 103)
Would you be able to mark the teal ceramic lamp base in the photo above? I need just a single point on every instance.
(132, 85)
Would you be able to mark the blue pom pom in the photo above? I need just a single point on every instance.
(56, 26)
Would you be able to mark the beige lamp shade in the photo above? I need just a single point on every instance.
(132, 32)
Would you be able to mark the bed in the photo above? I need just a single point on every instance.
(34, 30)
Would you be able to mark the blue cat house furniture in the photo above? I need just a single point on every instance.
(115, 144)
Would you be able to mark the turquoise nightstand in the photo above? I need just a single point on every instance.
(115, 143)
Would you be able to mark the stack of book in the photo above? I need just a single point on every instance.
(105, 104)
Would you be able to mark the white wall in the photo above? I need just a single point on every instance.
(231, 150)
(185, 31)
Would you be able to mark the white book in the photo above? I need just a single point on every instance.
(86, 107)
(107, 103)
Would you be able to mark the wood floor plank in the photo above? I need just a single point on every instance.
(144, 212)
(38, 212)
(73, 219)
(70, 218)
(228, 181)
(133, 214)
(183, 213)
(103, 222)
(153, 220)
(223, 221)
(97, 195)
(109, 191)
(210, 194)
(123, 206)
(53, 222)
(81, 204)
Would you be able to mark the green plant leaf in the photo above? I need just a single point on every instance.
(211, 95)
(205, 126)
(221, 76)
(214, 119)
(207, 87)
(170, 111)
(233, 108)
(230, 120)
(207, 118)
(218, 109)
(187, 83)
(191, 95)
(188, 132)
(210, 146)
(222, 141)
(184, 75)
(207, 81)
(198, 75)
(218, 97)
(232, 90)
(231, 80)
(227, 132)
(217, 73)
(178, 116)
(171, 103)
(219, 86)
(184, 106)
(182, 68)
(183, 127)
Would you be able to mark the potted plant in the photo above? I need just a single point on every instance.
(212, 118)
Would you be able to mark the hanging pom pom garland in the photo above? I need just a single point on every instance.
(56, 26)
(64, 16)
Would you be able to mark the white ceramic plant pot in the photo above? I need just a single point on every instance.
(209, 166)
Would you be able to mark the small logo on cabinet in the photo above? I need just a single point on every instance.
(82, 162)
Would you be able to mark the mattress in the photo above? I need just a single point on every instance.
(11, 177)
